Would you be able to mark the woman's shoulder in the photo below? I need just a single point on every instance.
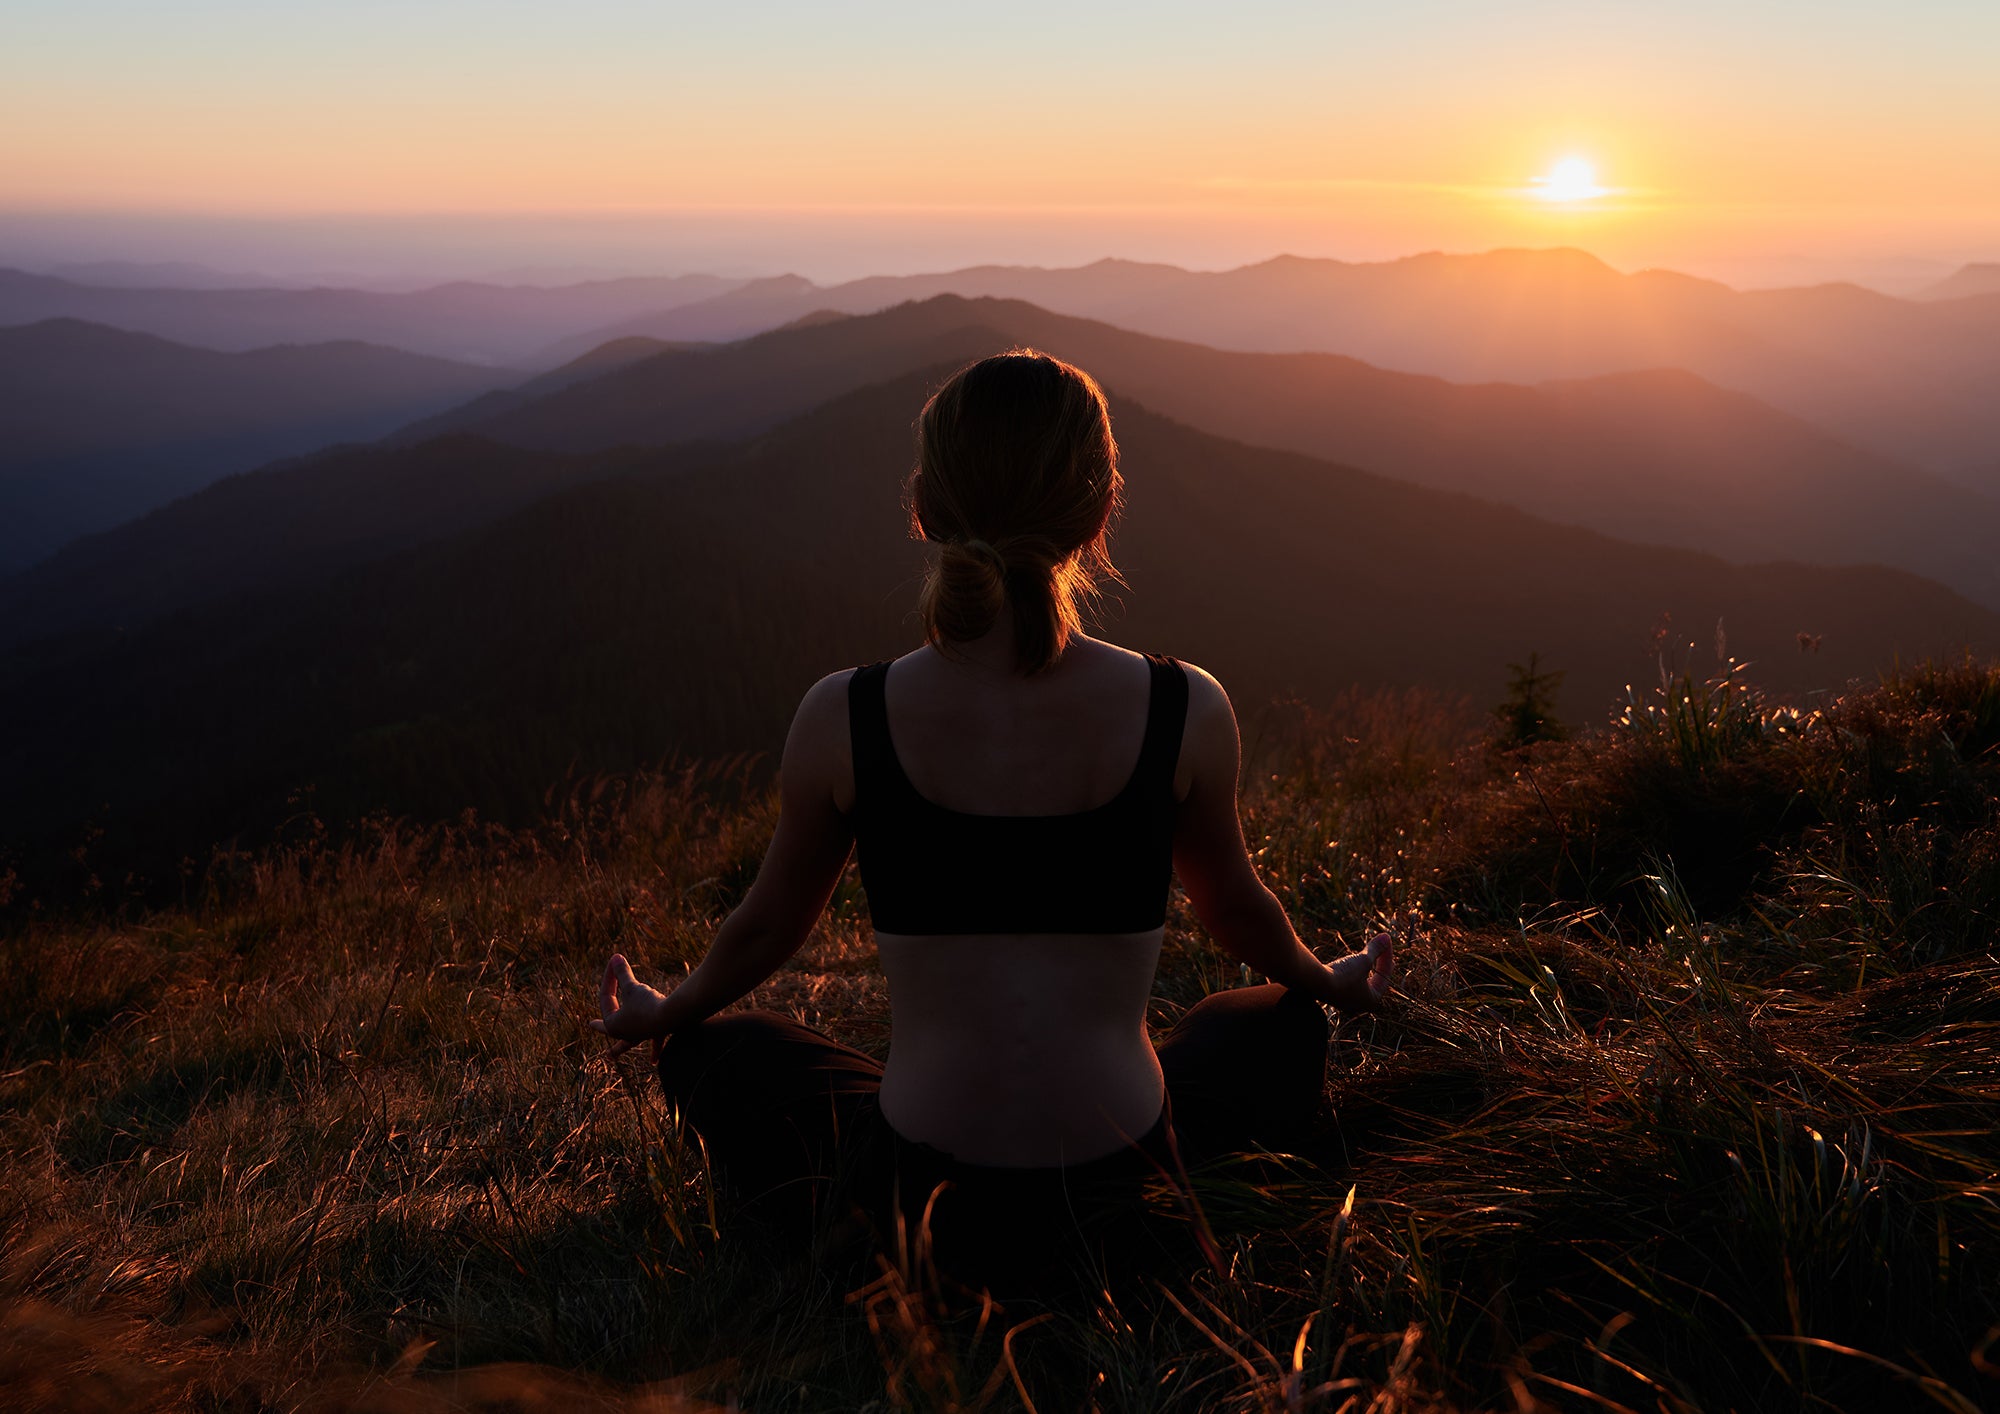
(826, 700)
(1205, 690)
(1208, 729)
(818, 758)
(1208, 732)
(1205, 693)
(820, 725)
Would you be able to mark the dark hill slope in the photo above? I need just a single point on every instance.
(673, 609)
(98, 425)
(1660, 457)
(488, 408)
(734, 390)
(286, 527)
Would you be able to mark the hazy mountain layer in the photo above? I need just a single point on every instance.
(1978, 278)
(477, 322)
(680, 607)
(98, 425)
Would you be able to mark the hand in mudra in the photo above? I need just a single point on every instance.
(632, 1010)
(1362, 979)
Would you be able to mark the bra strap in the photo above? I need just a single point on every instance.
(875, 764)
(1166, 721)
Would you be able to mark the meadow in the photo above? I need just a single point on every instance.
(1686, 1100)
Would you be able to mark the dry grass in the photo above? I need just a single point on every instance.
(1687, 1104)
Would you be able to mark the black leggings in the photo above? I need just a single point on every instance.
(790, 1120)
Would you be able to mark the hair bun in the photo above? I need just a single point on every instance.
(985, 551)
(1036, 554)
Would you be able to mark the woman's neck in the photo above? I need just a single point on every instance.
(992, 653)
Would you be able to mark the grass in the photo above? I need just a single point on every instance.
(1687, 1103)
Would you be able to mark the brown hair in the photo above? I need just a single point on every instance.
(1017, 482)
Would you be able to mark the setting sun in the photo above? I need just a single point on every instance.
(1572, 179)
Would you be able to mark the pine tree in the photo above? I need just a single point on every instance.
(1528, 713)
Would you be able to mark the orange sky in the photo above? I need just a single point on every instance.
(1831, 131)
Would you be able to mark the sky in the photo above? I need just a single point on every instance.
(1763, 142)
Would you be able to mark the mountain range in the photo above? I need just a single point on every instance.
(1909, 379)
(1659, 457)
(648, 546)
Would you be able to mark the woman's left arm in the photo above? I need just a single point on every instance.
(799, 872)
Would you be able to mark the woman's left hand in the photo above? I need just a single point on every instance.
(1359, 981)
(633, 1012)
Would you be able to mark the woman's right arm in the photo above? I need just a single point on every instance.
(800, 869)
(1214, 867)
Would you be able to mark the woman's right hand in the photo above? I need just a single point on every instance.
(633, 1012)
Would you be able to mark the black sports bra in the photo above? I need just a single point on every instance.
(927, 869)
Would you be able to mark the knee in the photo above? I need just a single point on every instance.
(1260, 1015)
(693, 1055)
(1303, 1018)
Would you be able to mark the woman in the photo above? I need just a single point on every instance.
(1020, 795)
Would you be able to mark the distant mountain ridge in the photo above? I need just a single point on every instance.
(468, 321)
(1658, 457)
(160, 275)
(99, 425)
(1906, 378)
(1977, 278)
(680, 603)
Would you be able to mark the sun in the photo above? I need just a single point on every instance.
(1572, 179)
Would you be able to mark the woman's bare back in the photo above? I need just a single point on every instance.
(1026, 1048)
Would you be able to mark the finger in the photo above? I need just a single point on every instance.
(626, 981)
(607, 985)
(659, 1044)
(598, 1027)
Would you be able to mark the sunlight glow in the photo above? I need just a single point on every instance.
(1572, 179)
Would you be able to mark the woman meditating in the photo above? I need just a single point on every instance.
(1020, 796)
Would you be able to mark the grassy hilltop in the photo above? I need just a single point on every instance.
(1687, 1102)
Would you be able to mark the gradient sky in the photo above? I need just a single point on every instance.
(1826, 134)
